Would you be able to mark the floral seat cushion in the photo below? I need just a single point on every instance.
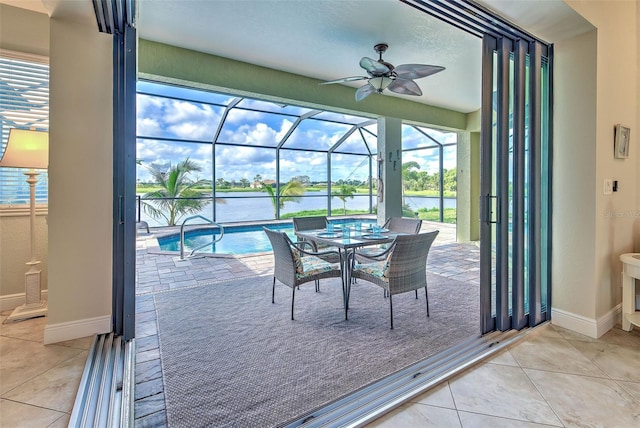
(377, 269)
(310, 265)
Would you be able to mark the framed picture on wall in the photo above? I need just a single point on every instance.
(621, 142)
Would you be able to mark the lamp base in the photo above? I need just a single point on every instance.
(32, 310)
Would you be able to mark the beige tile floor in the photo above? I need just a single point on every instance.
(38, 383)
(553, 377)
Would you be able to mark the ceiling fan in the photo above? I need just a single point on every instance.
(383, 75)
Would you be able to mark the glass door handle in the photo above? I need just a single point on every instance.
(490, 209)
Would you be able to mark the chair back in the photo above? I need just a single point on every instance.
(309, 223)
(285, 265)
(403, 225)
(408, 261)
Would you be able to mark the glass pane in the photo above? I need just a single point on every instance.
(181, 92)
(510, 180)
(244, 206)
(370, 134)
(162, 157)
(176, 119)
(359, 204)
(353, 144)
(316, 135)
(421, 183)
(349, 177)
(266, 106)
(421, 137)
(545, 189)
(163, 154)
(442, 137)
(253, 128)
(241, 176)
(254, 164)
(494, 177)
(412, 139)
(307, 167)
(527, 188)
(450, 171)
(313, 202)
(343, 118)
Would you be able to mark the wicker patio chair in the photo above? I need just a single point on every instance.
(312, 223)
(403, 224)
(393, 224)
(309, 223)
(400, 268)
(295, 266)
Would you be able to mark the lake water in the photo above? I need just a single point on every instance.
(256, 206)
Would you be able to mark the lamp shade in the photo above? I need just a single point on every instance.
(26, 149)
(380, 83)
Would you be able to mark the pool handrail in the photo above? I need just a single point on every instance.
(211, 224)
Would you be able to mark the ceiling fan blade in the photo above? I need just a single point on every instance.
(344, 79)
(405, 86)
(374, 67)
(416, 71)
(364, 91)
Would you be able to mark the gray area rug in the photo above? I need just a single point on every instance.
(231, 358)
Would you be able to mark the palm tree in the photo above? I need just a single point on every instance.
(176, 196)
(290, 192)
(346, 191)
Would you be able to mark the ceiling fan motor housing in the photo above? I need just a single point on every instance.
(381, 48)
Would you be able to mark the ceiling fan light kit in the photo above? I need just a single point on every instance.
(383, 75)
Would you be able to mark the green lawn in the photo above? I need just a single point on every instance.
(433, 214)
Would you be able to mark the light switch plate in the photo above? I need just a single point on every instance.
(608, 186)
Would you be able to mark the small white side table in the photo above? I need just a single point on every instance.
(630, 270)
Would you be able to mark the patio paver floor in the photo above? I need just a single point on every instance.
(160, 272)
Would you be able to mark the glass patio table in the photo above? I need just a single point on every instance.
(346, 246)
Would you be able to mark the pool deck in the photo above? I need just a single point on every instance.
(158, 272)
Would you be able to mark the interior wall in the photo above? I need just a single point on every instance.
(27, 32)
(24, 31)
(617, 103)
(635, 141)
(591, 229)
(574, 182)
(80, 180)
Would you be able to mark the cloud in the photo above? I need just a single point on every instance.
(148, 126)
(236, 116)
(257, 133)
(153, 152)
(168, 118)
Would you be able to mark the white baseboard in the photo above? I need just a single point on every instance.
(587, 326)
(11, 301)
(76, 329)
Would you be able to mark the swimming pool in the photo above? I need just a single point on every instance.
(236, 240)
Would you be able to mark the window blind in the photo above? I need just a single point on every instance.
(24, 104)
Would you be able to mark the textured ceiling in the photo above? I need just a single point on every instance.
(323, 39)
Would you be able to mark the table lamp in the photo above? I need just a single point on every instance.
(29, 149)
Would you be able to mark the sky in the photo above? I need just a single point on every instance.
(190, 125)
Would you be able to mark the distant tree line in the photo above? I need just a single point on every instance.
(414, 179)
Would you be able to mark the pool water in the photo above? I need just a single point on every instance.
(236, 239)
